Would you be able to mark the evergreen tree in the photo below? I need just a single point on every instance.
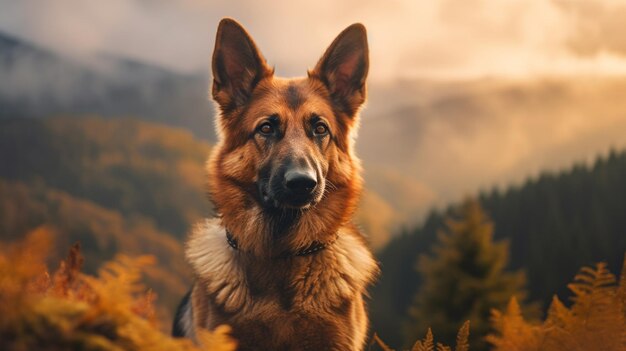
(464, 280)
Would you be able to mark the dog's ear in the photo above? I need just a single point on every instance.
(343, 68)
(237, 65)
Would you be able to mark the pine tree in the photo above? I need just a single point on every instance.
(464, 280)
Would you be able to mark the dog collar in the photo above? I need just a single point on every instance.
(311, 249)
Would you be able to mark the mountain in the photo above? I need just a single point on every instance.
(554, 223)
(37, 82)
(134, 167)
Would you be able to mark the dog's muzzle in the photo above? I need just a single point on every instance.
(293, 187)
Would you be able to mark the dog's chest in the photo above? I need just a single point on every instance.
(267, 326)
(308, 303)
(304, 308)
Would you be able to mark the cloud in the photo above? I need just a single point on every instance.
(596, 27)
(447, 39)
(460, 137)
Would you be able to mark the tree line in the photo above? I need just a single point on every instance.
(553, 224)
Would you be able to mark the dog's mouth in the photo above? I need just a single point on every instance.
(285, 200)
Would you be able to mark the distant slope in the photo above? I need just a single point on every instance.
(39, 83)
(137, 168)
(554, 223)
(102, 233)
(117, 186)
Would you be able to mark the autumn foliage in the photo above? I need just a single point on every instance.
(596, 320)
(67, 309)
(70, 310)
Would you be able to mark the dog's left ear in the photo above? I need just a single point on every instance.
(343, 68)
(238, 65)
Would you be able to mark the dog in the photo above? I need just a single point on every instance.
(282, 264)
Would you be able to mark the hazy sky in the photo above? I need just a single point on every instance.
(445, 38)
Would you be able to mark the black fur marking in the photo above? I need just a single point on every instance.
(294, 97)
(281, 220)
(178, 330)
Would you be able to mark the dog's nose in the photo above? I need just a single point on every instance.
(300, 181)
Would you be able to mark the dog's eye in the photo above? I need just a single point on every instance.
(266, 128)
(321, 129)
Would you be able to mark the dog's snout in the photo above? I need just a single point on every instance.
(301, 181)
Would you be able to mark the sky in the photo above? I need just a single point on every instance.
(450, 39)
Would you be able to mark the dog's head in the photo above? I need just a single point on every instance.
(286, 144)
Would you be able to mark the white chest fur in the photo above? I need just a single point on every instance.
(323, 282)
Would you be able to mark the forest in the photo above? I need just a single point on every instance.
(511, 261)
(553, 225)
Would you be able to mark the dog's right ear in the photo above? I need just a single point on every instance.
(237, 65)
(343, 68)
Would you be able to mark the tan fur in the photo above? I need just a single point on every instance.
(274, 301)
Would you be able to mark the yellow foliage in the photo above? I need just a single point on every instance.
(70, 310)
(217, 340)
(462, 343)
(425, 345)
(595, 321)
(21, 267)
(428, 343)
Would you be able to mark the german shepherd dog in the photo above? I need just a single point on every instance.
(282, 264)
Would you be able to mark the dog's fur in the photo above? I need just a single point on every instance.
(273, 298)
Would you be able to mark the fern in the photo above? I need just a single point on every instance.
(462, 343)
(217, 340)
(425, 345)
(66, 277)
(520, 336)
(595, 321)
(23, 272)
(428, 343)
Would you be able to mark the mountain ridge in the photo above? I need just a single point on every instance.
(40, 83)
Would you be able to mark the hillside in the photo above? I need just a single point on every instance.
(134, 167)
(554, 223)
(117, 186)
